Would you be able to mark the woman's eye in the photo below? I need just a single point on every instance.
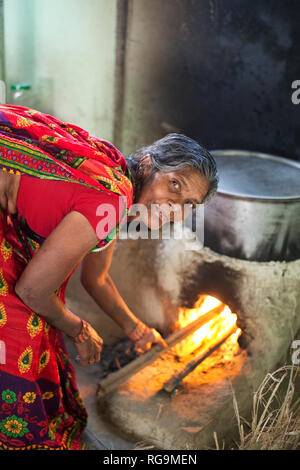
(176, 184)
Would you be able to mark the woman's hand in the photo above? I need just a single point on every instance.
(89, 351)
(145, 343)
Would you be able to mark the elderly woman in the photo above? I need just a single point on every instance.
(56, 179)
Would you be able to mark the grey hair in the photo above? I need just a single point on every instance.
(175, 152)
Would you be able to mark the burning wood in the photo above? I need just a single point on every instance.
(190, 366)
(114, 380)
(207, 333)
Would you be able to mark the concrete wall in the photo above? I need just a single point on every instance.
(218, 70)
(66, 50)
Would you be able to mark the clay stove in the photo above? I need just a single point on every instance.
(170, 278)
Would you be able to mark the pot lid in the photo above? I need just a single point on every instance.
(257, 175)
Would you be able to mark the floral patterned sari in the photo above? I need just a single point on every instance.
(40, 406)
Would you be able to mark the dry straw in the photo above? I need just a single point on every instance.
(275, 423)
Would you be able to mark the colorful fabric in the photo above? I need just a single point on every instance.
(42, 215)
(42, 146)
(40, 406)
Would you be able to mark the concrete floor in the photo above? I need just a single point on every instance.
(98, 435)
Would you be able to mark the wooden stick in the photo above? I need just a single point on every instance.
(171, 384)
(115, 379)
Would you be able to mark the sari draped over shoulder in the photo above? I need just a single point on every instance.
(40, 406)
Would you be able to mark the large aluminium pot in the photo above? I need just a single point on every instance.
(255, 214)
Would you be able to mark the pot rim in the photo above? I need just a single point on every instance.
(238, 195)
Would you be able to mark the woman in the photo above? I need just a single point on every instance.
(56, 179)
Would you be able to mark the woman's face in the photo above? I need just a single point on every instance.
(171, 196)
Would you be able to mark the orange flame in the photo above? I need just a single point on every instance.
(209, 332)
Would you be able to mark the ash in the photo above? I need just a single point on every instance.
(115, 356)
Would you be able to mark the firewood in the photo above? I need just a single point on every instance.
(171, 384)
(115, 379)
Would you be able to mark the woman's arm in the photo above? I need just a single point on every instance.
(98, 283)
(60, 253)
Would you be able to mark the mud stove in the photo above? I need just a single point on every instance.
(179, 400)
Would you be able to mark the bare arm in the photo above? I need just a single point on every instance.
(100, 286)
(98, 283)
(60, 253)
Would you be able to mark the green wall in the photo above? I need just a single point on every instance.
(66, 50)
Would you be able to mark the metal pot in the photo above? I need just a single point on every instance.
(255, 214)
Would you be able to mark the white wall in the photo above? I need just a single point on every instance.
(66, 50)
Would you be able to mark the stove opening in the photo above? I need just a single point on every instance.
(204, 341)
(221, 330)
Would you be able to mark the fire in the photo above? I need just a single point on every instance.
(211, 331)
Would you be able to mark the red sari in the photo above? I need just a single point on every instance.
(40, 406)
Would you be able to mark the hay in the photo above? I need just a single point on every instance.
(275, 423)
